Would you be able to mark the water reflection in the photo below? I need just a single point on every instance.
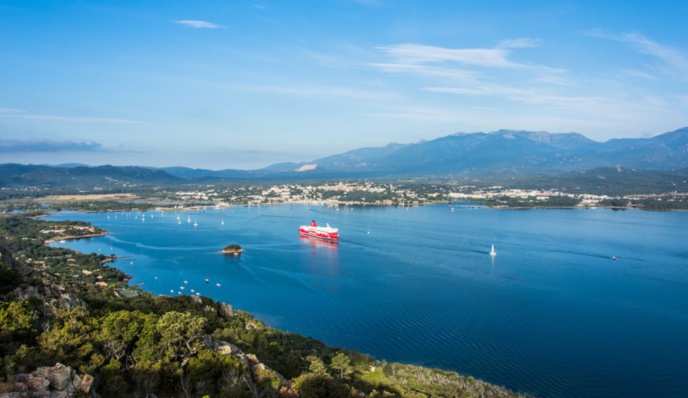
(323, 258)
(316, 243)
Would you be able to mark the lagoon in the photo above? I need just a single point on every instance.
(552, 314)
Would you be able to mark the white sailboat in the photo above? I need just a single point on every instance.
(493, 252)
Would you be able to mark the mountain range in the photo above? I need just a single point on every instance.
(506, 152)
(501, 154)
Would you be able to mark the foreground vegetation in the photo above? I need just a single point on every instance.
(60, 306)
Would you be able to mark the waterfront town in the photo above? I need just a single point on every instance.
(341, 193)
(355, 193)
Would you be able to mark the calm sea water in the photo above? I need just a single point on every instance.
(552, 314)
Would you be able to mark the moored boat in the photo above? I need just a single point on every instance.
(316, 231)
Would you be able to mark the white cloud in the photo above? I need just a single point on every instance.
(639, 74)
(456, 90)
(11, 110)
(522, 42)
(21, 114)
(457, 74)
(425, 116)
(672, 61)
(671, 57)
(415, 54)
(198, 24)
(529, 96)
(324, 92)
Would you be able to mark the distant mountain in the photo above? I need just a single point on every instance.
(106, 177)
(507, 152)
(500, 154)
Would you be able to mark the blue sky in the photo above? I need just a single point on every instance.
(244, 84)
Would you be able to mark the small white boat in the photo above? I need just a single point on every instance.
(493, 252)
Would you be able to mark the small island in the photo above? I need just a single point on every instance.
(233, 250)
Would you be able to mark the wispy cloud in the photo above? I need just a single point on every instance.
(194, 23)
(672, 61)
(522, 42)
(11, 110)
(451, 73)
(324, 92)
(671, 57)
(422, 114)
(47, 145)
(416, 54)
(639, 73)
(457, 90)
(8, 113)
(528, 96)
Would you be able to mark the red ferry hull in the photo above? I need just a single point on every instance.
(315, 233)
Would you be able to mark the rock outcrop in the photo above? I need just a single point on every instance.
(53, 297)
(49, 382)
(256, 371)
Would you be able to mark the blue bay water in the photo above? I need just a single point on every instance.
(552, 314)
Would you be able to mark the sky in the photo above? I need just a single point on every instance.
(244, 84)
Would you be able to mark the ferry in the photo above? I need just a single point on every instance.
(316, 231)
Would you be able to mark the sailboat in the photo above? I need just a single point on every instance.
(493, 252)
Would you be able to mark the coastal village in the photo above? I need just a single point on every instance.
(379, 194)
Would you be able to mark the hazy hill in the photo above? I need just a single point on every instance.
(17, 175)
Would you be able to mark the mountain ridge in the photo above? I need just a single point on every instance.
(515, 152)
(502, 153)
